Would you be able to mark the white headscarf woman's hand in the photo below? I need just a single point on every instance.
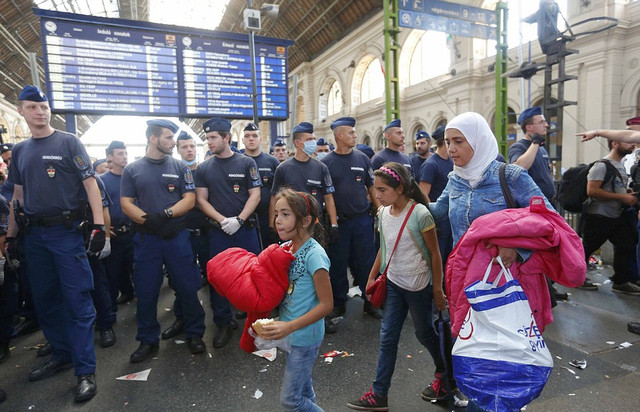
(481, 139)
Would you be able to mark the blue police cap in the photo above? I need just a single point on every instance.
(439, 132)
(251, 127)
(343, 121)
(115, 144)
(322, 142)
(422, 135)
(217, 124)
(33, 94)
(365, 149)
(6, 147)
(163, 123)
(303, 127)
(530, 112)
(394, 123)
(98, 163)
(279, 142)
(184, 135)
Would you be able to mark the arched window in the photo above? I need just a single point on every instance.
(366, 140)
(299, 109)
(430, 58)
(372, 82)
(334, 100)
(381, 142)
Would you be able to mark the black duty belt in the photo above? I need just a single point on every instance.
(350, 216)
(196, 232)
(64, 218)
(123, 229)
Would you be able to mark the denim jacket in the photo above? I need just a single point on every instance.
(464, 204)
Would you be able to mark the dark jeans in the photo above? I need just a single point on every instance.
(598, 229)
(119, 267)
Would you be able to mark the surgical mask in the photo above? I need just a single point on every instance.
(310, 147)
(320, 155)
(190, 163)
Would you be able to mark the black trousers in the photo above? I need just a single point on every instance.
(598, 229)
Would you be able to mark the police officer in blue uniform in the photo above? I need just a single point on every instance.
(119, 264)
(51, 173)
(323, 149)
(304, 173)
(394, 134)
(196, 225)
(352, 177)
(423, 151)
(228, 190)
(280, 150)
(157, 192)
(267, 165)
(8, 288)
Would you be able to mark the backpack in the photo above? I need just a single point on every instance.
(572, 192)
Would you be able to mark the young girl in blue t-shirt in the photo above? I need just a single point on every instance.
(308, 299)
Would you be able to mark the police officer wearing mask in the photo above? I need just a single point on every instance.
(306, 174)
(157, 192)
(267, 165)
(423, 146)
(394, 134)
(352, 177)
(51, 173)
(280, 150)
(196, 225)
(323, 149)
(228, 190)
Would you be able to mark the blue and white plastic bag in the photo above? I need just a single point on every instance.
(500, 360)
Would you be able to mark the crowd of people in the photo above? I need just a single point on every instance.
(82, 238)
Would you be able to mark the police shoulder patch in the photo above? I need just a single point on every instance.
(327, 180)
(188, 177)
(371, 173)
(254, 173)
(81, 162)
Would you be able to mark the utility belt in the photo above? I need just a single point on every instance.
(66, 218)
(141, 229)
(250, 223)
(343, 217)
(121, 230)
(197, 232)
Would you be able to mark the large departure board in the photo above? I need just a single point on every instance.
(114, 66)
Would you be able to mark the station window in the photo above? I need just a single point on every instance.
(334, 100)
(430, 58)
(372, 82)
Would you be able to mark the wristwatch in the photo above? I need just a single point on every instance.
(169, 213)
(240, 220)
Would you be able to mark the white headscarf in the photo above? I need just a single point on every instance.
(485, 148)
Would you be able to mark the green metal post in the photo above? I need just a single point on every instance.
(391, 55)
(502, 115)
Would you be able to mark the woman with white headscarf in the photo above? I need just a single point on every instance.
(474, 187)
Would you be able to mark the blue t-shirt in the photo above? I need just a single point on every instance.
(352, 175)
(196, 219)
(267, 166)
(301, 296)
(112, 183)
(6, 190)
(51, 170)
(539, 170)
(416, 164)
(228, 181)
(435, 171)
(311, 176)
(387, 155)
(156, 185)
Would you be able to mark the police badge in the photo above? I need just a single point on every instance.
(51, 171)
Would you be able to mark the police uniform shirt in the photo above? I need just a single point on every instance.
(51, 171)
(196, 219)
(6, 190)
(352, 175)
(387, 155)
(156, 184)
(112, 186)
(104, 198)
(311, 176)
(435, 171)
(4, 215)
(228, 181)
(267, 166)
(539, 170)
(416, 163)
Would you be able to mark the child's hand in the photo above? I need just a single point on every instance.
(276, 330)
(439, 299)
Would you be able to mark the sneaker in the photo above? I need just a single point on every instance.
(435, 392)
(627, 288)
(587, 285)
(369, 402)
(459, 400)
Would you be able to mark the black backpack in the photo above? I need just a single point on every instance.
(573, 187)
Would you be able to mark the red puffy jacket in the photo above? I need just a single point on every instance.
(253, 284)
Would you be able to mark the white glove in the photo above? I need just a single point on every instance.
(230, 225)
(106, 250)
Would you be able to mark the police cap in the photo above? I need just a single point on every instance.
(6, 147)
(251, 127)
(163, 123)
(365, 149)
(322, 142)
(184, 135)
(98, 163)
(422, 135)
(343, 121)
(33, 94)
(394, 123)
(217, 124)
(303, 127)
(528, 113)
(439, 132)
(115, 144)
(278, 143)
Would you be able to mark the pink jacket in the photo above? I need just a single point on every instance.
(557, 252)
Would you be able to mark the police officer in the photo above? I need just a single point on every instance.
(423, 151)
(51, 173)
(306, 174)
(323, 149)
(267, 165)
(228, 190)
(352, 177)
(8, 288)
(280, 150)
(119, 264)
(394, 134)
(157, 192)
(196, 225)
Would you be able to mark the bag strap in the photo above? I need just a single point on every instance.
(610, 166)
(406, 219)
(506, 192)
